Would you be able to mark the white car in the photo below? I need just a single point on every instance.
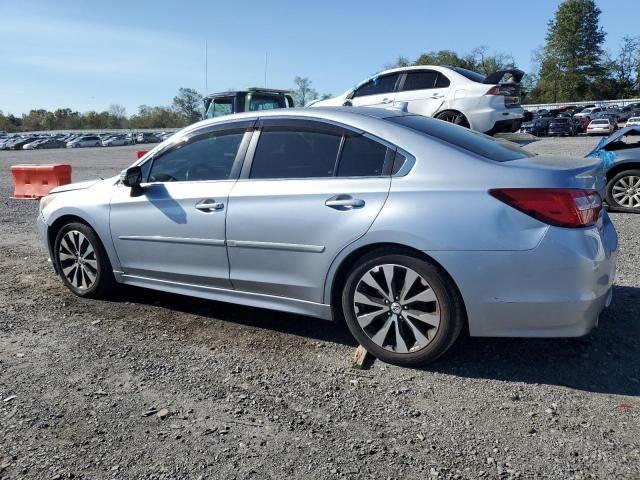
(600, 126)
(115, 141)
(85, 141)
(633, 122)
(453, 94)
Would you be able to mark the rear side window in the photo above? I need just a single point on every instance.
(287, 153)
(477, 143)
(361, 157)
(377, 85)
(421, 80)
(265, 102)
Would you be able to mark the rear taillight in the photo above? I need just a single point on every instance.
(499, 90)
(561, 207)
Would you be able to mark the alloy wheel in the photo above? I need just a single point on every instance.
(396, 308)
(626, 191)
(78, 261)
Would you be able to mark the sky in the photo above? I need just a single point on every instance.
(86, 55)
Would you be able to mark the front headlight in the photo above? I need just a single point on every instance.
(46, 200)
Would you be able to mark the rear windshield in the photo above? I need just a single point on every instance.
(600, 122)
(477, 143)
(560, 120)
(476, 77)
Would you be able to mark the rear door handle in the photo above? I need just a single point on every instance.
(344, 202)
(209, 205)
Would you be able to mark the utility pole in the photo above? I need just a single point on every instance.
(206, 68)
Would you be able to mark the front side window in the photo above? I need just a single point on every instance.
(361, 157)
(207, 158)
(378, 85)
(219, 107)
(287, 153)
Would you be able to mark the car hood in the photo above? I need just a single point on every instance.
(75, 186)
(614, 137)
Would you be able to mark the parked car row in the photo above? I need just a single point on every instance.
(32, 141)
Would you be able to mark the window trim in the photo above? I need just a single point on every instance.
(318, 126)
(209, 131)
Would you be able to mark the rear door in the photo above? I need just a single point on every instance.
(378, 91)
(424, 91)
(306, 191)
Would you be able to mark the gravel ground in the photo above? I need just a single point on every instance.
(251, 393)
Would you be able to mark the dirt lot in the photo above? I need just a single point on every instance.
(257, 394)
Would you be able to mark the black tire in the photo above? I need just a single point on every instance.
(449, 305)
(96, 264)
(454, 117)
(612, 202)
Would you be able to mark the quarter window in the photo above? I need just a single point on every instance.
(361, 157)
(285, 153)
(208, 158)
(377, 85)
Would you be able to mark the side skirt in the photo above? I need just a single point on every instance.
(259, 300)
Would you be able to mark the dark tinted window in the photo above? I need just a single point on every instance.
(285, 153)
(265, 102)
(383, 84)
(420, 80)
(442, 81)
(208, 158)
(361, 157)
(476, 77)
(477, 143)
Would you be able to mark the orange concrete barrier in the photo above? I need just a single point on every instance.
(35, 181)
(141, 153)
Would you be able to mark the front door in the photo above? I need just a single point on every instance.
(174, 228)
(309, 192)
(376, 92)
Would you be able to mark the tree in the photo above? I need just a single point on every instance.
(625, 67)
(572, 54)
(188, 104)
(303, 93)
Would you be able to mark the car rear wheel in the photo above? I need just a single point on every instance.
(623, 191)
(82, 261)
(402, 309)
(452, 116)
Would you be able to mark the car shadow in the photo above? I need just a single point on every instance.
(605, 361)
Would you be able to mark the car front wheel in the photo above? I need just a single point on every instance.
(623, 191)
(402, 309)
(82, 261)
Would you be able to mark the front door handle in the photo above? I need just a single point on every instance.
(386, 100)
(209, 205)
(344, 202)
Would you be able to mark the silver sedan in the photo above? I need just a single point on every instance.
(411, 229)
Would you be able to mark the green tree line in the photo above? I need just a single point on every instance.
(185, 109)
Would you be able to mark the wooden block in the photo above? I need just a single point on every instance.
(359, 357)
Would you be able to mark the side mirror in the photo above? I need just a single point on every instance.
(350, 95)
(132, 177)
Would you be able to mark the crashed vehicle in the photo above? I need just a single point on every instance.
(487, 104)
(620, 155)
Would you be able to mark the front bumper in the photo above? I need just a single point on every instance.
(557, 289)
(43, 231)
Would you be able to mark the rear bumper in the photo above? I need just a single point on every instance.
(557, 289)
(505, 126)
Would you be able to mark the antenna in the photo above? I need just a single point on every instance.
(206, 68)
(266, 59)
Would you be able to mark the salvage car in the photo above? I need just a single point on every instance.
(538, 127)
(85, 141)
(620, 155)
(354, 213)
(601, 126)
(486, 104)
(249, 100)
(562, 126)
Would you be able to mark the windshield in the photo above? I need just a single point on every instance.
(474, 142)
